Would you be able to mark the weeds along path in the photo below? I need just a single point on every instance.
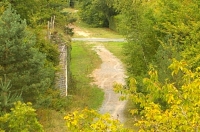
(111, 71)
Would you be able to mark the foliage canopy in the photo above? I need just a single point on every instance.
(22, 118)
(20, 61)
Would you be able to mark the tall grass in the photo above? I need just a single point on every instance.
(52, 121)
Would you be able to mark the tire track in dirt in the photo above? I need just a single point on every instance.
(111, 71)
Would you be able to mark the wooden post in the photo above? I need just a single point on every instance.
(48, 30)
(66, 71)
(53, 22)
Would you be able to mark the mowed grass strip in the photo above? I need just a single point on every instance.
(83, 61)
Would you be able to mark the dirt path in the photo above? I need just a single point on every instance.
(111, 71)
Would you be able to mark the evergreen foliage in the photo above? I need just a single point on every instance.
(28, 60)
(20, 61)
(6, 99)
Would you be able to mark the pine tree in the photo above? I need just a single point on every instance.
(19, 60)
(6, 99)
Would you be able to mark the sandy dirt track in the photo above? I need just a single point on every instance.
(111, 71)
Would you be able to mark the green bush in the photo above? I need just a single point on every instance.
(52, 99)
(90, 15)
(22, 118)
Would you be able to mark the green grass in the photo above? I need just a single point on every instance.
(130, 120)
(116, 48)
(84, 61)
(97, 32)
(52, 121)
(71, 10)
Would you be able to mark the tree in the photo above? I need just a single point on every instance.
(158, 31)
(181, 111)
(35, 12)
(137, 24)
(22, 118)
(6, 99)
(90, 15)
(23, 64)
(92, 121)
(97, 12)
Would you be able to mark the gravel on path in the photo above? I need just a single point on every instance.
(111, 71)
